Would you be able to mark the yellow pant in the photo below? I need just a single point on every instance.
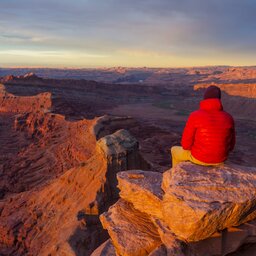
(180, 155)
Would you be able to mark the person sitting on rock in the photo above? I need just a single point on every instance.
(209, 134)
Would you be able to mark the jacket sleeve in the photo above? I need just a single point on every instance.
(188, 135)
(233, 137)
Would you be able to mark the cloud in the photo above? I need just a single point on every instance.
(18, 38)
(45, 54)
(192, 28)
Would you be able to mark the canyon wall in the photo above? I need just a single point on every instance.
(57, 176)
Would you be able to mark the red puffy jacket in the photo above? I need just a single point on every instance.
(209, 132)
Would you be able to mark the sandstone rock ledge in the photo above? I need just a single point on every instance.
(190, 210)
(61, 216)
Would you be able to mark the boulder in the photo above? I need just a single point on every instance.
(173, 245)
(224, 242)
(107, 124)
(132, 232)
(143, 190)
(227, 241)
(121, 150)
(197, 212)
(119, 144)
(106, 249)
(200, 200)
(159, 251)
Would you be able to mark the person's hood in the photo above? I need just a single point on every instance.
(211, 104)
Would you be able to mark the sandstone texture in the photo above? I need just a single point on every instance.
(68, 205)
(106, 248)
(227, 241)
(119, 146)
(55, 177)
(203, 200)
(131, 231)
(106, 125)
(24, 104)
(143, 190)
(122, 151)
(159, 251)
(235, 89)
(172, 244)
(189, 210)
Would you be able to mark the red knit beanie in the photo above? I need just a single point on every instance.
(212, 92)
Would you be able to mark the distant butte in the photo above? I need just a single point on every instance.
(64, 136)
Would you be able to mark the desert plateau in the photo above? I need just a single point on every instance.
(67, 138)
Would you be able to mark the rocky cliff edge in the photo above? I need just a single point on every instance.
(188, 210)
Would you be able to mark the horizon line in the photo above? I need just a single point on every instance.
(126, 67)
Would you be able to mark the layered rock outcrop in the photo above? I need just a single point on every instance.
(121, 150)
(208, 198)
(106, 248)
(189, 210)
(143, 190)
(235, 89)
(59, 215)
(130, 230)
(24, 104)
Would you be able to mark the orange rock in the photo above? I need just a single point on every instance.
(132, 232)
(199, 201)
(159, 251)
(24, 104)
(106, 249)
(59, 216)
(173, 245)
(143, 190)
(122, 151)
(227, 241)
(237, 89)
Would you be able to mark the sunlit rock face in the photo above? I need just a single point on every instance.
(107, 248)
(234, 89)
(62, 215)
(122, 152)
(56, 177)
(143, 190)
(203, 200)
(201, 211)
(25, 104)
(131, 231)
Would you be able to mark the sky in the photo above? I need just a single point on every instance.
(131, 33)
